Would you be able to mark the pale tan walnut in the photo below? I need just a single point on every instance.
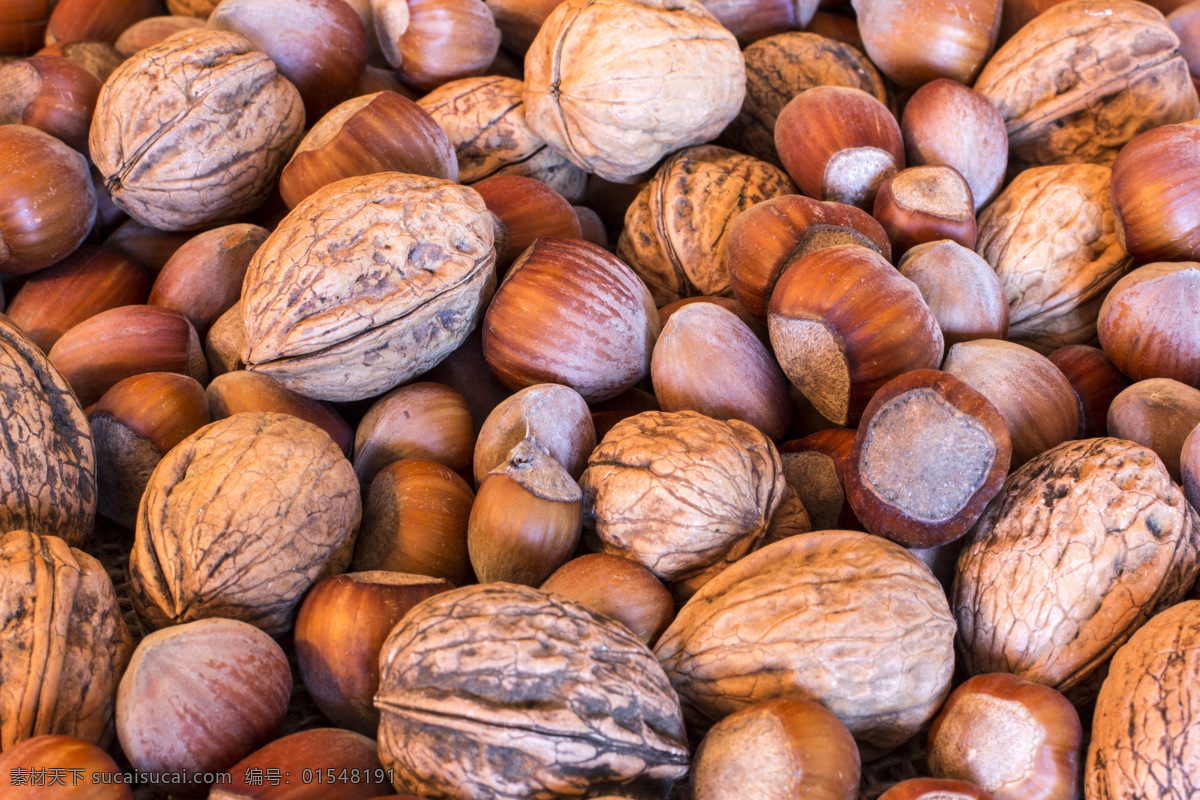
(615, 85)
(368, 282)
(1082, 545)
(674, 234)
(484, 119)
(498, 692)
(65, 643)
(1085, 77)
(194, 131)
(850, 620)
(1146, 729)
(680, 493)
(240, 519)
(1051, 238)
(47, 461)
(782, 66)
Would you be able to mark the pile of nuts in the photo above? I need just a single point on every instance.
(620, 399)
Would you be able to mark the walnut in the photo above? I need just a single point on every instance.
(848, 619)
(782, 66)
(1147, 720)
(681, 492)
(1078, 550)
(368, 282)
(240, 519)
(1051, 237)
(501, 691)
(484, 119)
(194, 131)
(65, 644)
(615, 85)
(674, 235)
(47, 462)
(1085, 77)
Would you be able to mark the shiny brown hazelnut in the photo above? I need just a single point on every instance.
(382, 132)
(557, 416)
(935, 789)
(843, 322)
(147, 246)
(23, 25)
(756, 325)
(529, 209)
(603, 321)
(618, 588)
(133, 425)
(788, 747)
(223, 344)
(445, 40)
(96, 20)
(1032, 394)
(1017, 739)
(203, 278)
(839, 144)
(47, 203)
(1185, 23)
(929, 454)
(767, 238)
(98, 58)
(815, 467)
(309, 761)
(340, 629)
(235, 392)
(152, 30)
(1017, 13)
(122, 342)
(1157, 413)
(629, 403)
(925, 204)
(526, 519)
(914, 44)
(88, 771)
(379, 79)
(1189, 466)
(52, 94)
(90, 280)
(751, 20)
(419, 420)
(415, 521)
(591, 227)
(1147, 324)
(946, 123)
(1157, 213)
(318, 45)
(1095, 381)
(708, 360)
(835, 26)
(961, 289)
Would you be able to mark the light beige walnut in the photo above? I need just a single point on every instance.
(194, 130)
(681, 493)
(240, 519)
(1085, 77)
(615, 85)
(674, 234)
(484, 118)
(65, 643)
(1146, 730)
(368, 282)
(1082, 545)
(1051, 238)
(850, 620)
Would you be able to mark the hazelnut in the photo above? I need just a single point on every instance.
(529, 209)
(915, 45)
(1095, 382)
(591, 227)
(1189, 467)
(618, 588)
(420, 420)
(23, 25)
(152, 30)
(324, 755)
(148, 246)
(815, 467)
(756, 325)
(235, 392)
(960, 288)
(935, 788)
(52, 94)
(631, 402)
(95, 20)
(443, 41)
(1157, 214)
(519, 21)
(1147, 324)
(223, 344)
(751, 20)
(925, 204)
(62, 753)
(1158, 413)
(556, 416)
(99, 58)
(466, 372)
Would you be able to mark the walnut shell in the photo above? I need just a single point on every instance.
(1051, 238)
(368, 282)
(615, 85)
(47, 462)
(1085, 77)
(1078, 550)
(1148, 713)
(194, 131)
(674, 234)
(679, 492)
(502, 691)
(65, 643)
(848, 619)
(780, 67)
(240, 519)
(484, 118)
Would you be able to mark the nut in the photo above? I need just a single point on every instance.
(1095, 382)
(235, 392)
(1053, 545)
(1147, 323)
(465, 667)
(529, 209)
(935, 788)
(415, 266)
(443, 41)
(925, 204)
(152, 30)
(607, 414)
(960, 288)
(208, 144)
(214, 536)
(98, 58)
(556, 416)
(751, 21)
(1190, 467)
(815, 468)
(315, 751)
(23, 27)
(55, 753)
(915, 45)
(619, 588)
(95, 20)
(1157, 217)
(420, 420)
(52, 94)
(1158, 413)
(613, 85)
(147, 246)
(65, 644)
